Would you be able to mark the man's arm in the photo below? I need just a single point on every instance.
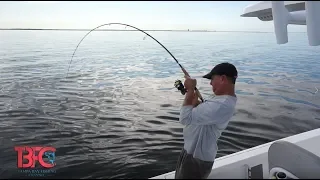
(189, 98)
(190, 101)
(196, 101)
(204, 114)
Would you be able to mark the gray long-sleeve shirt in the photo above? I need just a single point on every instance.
(204, 124)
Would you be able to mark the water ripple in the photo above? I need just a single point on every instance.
(117, 112)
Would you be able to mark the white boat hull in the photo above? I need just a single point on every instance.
(236, 165)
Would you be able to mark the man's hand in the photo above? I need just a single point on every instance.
(195, 101)
(191, 97)
(190, 83)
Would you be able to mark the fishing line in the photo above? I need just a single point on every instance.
(127, 25)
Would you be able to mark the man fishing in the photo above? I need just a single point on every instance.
(204, 122)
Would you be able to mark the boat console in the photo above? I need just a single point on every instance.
(289, 161)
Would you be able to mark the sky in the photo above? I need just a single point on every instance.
(175, 15)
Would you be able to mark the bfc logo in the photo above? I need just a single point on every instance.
(35, 154)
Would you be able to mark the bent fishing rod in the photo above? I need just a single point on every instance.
(178, 83)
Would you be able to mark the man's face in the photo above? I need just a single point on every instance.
(218, 83)
(215, 82)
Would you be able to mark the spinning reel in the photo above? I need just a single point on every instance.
(178, 84)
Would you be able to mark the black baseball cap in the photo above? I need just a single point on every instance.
(223, 69)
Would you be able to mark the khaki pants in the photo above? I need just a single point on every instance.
(189, 167)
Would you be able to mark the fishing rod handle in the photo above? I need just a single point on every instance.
(196, 89)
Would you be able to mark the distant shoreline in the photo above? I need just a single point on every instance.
(40, 29)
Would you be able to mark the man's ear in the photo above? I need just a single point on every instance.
(224, 77)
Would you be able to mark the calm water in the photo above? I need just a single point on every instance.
(116, 114)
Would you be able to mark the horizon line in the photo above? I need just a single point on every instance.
(186, 30)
